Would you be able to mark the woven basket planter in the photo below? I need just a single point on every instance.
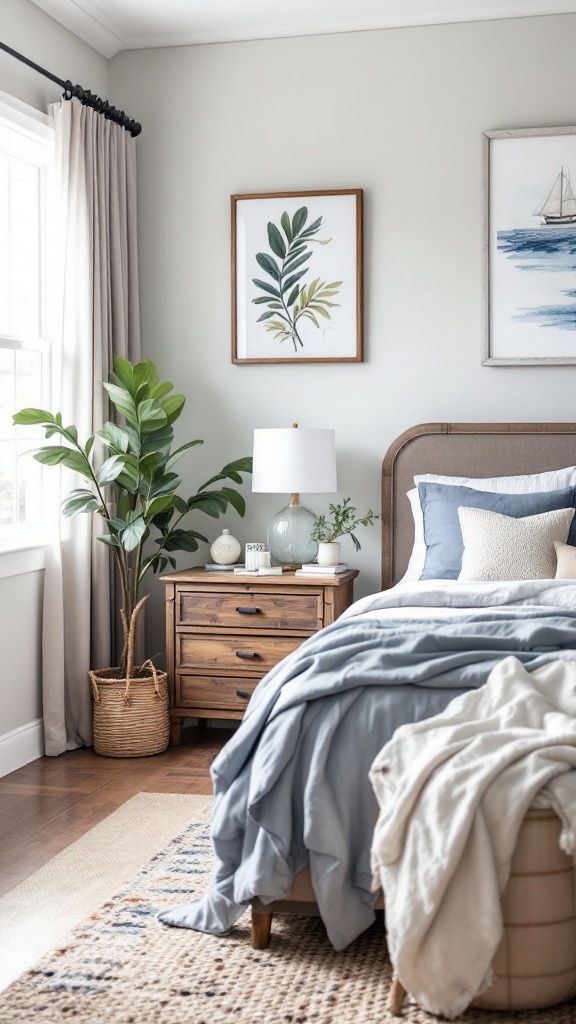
(131, 717)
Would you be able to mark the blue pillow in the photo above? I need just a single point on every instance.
(440, 504)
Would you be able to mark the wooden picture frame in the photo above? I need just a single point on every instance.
(296, 266)
(529, 247)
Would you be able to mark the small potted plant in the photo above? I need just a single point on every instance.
(342, 520)
(132, 486)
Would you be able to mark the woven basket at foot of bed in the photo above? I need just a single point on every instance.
(130, 719)
(535, 965)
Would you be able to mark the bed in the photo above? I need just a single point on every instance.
(296, 757)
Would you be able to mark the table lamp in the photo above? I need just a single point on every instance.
(293, 460)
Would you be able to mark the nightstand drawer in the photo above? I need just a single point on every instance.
(253, 655)
(213, 692)
(248, 610)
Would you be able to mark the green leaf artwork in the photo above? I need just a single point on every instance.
(289, 300)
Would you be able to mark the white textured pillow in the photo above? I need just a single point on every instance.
(532, 483)
(498, 547)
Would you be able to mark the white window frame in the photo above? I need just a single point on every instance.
(22, 547)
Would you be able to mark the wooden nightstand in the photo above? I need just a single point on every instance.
(225, 632)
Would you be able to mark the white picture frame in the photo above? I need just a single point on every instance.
(529, 247)
(296, 269)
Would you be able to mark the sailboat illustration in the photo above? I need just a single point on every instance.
(560, 205)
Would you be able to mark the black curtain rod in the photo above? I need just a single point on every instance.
(86, 97)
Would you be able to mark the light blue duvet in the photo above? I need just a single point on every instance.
(291, 786)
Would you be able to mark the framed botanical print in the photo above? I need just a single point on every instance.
(529, 246)
(297, 277)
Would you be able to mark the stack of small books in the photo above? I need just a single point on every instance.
(313, 569)
(216, 567)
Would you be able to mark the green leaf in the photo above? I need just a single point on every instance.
(108, 539)
(212, 503)
(175, 456)
(293, 296)
(110, 470)
(320, 309)
(173, 406)
(145, 373)
(312, 229)
(298, 220)
(268, 264)
(151, 415)
(165, 484)
(297, 263)
(265, 316)
(88, 446)
(124, 371)
(159, 504)
(157, 440)
(51, 456)
(160, 389)
(260, 299)
(266, 287)
(129, 478)
(133, 533)
(114, 437)
(235, 499)
(286, 225)
(30, 417)
(292, 280)
(123, 506)
(80, 500)
(55, 455)
(180, 504)
(123, 402)
(183, 540)
(276, 241)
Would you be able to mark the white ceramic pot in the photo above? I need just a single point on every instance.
(226, 549)
(328, 553)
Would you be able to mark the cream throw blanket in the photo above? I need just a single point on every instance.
(453, 791)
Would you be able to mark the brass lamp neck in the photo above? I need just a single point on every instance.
(294, 499)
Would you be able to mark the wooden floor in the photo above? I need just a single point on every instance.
(51, 802)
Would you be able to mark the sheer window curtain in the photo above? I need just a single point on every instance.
(97, 317)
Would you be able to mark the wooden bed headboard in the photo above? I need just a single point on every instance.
(460, 449)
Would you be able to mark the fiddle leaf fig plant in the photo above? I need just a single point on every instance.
(343, 520)
(134, 489)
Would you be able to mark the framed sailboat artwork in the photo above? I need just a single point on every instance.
(529, 300)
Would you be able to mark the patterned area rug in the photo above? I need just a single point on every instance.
(121, 966)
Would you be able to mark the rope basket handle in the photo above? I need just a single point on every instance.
(95, 690)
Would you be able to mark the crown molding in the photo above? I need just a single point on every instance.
(115, 25)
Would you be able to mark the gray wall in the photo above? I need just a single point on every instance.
(398, 113)
(32, 33)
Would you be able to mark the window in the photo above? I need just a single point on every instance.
(26, 165)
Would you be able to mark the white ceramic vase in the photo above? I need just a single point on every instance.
(226, 549)
(328, 553)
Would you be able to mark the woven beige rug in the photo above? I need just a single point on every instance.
(121, 966)
(41, 910)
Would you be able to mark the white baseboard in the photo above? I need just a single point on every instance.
(21, 746)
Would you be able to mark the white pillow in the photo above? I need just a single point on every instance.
(498, 547)
(565, 561)
(533, 483)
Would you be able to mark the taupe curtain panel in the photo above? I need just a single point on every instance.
(97, 300)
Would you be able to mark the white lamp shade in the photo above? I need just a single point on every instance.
(294, 460)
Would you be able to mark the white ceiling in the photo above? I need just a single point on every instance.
(113, 25)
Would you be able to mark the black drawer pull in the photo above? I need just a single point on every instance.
(247, 654)
(248, 611)
(243, 693)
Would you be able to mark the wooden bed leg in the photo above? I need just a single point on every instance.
(261, 928)
(395, 996)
